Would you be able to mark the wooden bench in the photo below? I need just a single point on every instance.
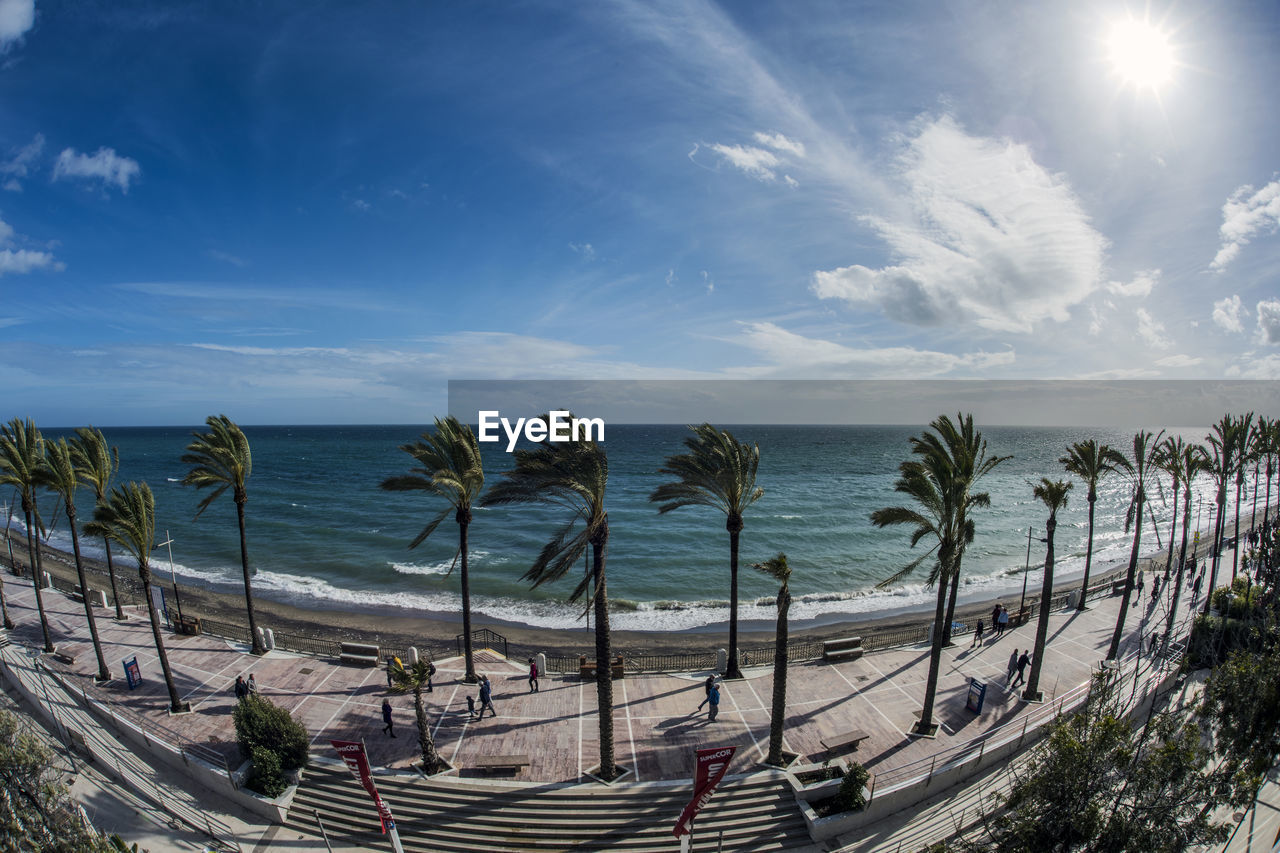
(359, 654)
(1117, 587)
(587, 668)
(65, 657)
(849, 648)
(841, 741)
(501, 762)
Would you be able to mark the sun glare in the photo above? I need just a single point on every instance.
(1140, 54)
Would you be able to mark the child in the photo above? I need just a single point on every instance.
(471, 707)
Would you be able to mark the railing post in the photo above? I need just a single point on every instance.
(871, 795)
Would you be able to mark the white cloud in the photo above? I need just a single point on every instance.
(1227, 313)
(991, 235)
(778, 142)
(23, 260)
(19, 165)
(227, 258)
(1179, 360)
(1269, 322)
(790, 181)
(105, 165)
(1141, 286)
(670, 277)
(16, 18)
(1256, 367)
(13, 185)
(756, 162)
(361, 205)
(707, 280)
(1151, 331)
(585, 249)
(1244, 215)
(815, 357)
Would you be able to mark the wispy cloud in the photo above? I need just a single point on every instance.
(778, 142)
(16, 18)
(104, 165)
(1141, 286)
(227, 258)
(19, 165)
(1245, 214)
(17, 260)
(760, 163)
(1269, 322)
(1180, 360)
(1151, 331)
(1227, 313)
(990, 235)
(586, 250)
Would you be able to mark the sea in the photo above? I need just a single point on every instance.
(323, 534)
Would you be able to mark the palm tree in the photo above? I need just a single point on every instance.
(21, 454)
(571, 475)
(451, 469)
(1270, 439)
(4, 606)
(719, 472)
(415, 677)
(220, 459)
(1053, 494)
(1244, 425)
(1225, 443)
(128, 518)
(1185, 462)
(940, 481)
(1166, 459)
(1091, 462)
(97, 465)
(1145, 453)
(777, 568)
(59, 474)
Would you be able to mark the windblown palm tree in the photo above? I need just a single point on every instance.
(1225, 448)
(128, 518)
(414, 677)
(1244, 424)
(97, 465)
(571, 475)
(719, 472)
(59, 474)
(1166, 459)
(1091, 462)
(4, 606)
(1053, 494)
(778, 569)
(1270, 439)
(939, 480)
(220, 459)
(1185, 462)
(21, 454)
(1145, 453)
(450, 469)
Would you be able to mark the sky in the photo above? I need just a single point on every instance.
(323, 212)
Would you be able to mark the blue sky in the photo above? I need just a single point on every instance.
(321, 212)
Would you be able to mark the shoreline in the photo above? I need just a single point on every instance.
(439, 629)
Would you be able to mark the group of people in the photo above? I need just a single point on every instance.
(712, 698)
(999, 624)
(245, 689)
(484, 697)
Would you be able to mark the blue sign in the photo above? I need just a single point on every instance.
(131, 672)
(977, 695)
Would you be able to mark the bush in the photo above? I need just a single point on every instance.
(261, 724)
(850, 797)
(1241, 600)
(267, 777)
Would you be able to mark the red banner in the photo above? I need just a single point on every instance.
(710, 768)
(357, 762)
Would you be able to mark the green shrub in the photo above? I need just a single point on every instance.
(267, 777)
(850, 797)
(259, 723)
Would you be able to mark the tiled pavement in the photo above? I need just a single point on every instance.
(656, 725)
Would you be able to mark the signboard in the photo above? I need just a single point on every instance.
(709, 770)
(131, 672)
(357, 761)
(976, 696)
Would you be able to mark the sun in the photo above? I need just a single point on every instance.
(1140, 54)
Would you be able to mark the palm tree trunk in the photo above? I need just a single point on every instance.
(604, 670)
(33, 552)
(104, 674)
(470, 675)
(1114, 649)
(1173, 529)
(951, 606)
(254, 640)
(1217, 545)
(176, 705)
(779, 712)
(430, 758)
(926, 727)
(111, 573)
(4, 608)
(1177, 578)
(735, 529)
(1088, 553)
(1032, 691)
(1235, 551)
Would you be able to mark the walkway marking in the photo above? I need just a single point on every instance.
(631, 737)
(941, 725)
(757, 698)
(201, 685)
(457, 744)
(311, 691)
(742, 716)
(342, 706)
(860, 695)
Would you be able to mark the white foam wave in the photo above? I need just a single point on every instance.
(440, 568)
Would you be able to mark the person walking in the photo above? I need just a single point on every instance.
(1003, 621)
(1155, 589)
(1013, 664)
(387, 727)
(1023, 660)
(1195, 588)
(486, 696)
(977, 634)
(242, 689)
(252, 685)
(471, 706)
(713, 699)
(533, 676)
(1141, 583)
(706, 689)
(995, 620)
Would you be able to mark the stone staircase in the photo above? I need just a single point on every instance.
(756, 813)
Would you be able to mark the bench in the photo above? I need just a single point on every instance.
(65, 657)
(848, 739)
(501, 762)
(587, 668)
(849, 648)
(359, 654)
(1117, 587)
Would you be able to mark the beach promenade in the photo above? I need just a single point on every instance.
(657, 724)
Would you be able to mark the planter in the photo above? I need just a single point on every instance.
(811, 782)
(272, 808)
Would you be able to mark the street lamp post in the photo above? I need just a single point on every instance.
(1025, 568)
(177, 597)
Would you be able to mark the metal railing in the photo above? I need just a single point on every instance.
(485, 638)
